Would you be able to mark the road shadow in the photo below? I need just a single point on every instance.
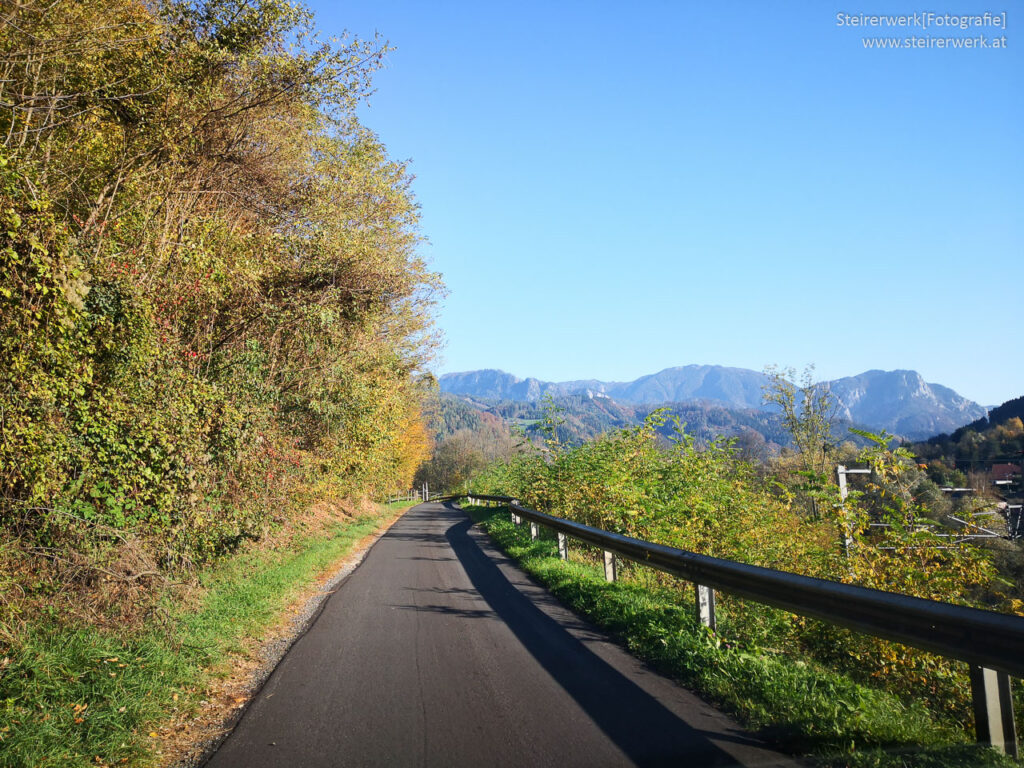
(449, 610)
(643, 728)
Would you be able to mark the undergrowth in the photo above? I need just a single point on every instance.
(797, 704)
(78, 695)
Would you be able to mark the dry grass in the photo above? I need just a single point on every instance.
(111, 579)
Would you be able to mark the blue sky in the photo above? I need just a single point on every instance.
(610, 189)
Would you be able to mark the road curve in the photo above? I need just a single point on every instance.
(438, 651)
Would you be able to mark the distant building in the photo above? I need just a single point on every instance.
(1007, 479)
(1002, 472)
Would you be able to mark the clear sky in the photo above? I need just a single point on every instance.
(610, 189)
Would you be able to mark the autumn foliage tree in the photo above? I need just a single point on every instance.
(808, 410)
(212, 306)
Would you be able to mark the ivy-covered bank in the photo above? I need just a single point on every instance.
(212, 310)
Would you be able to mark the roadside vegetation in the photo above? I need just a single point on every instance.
(800, 704)
(72, 694)
(213, 318)
(211, 305)
(888, 534)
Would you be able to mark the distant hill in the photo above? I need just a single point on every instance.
(584, 417)
(736, 387)
(733, 387)
(1000, 414)
(995, 439)
(496, 385)
(903, 403)
(900, 402)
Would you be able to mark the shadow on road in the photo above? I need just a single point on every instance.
(643, 728)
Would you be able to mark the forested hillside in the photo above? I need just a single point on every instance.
(212, 310)
(582, 418)
(967, 456)
(999, 436)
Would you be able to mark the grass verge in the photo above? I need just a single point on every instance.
(78, 696)
(799, 705)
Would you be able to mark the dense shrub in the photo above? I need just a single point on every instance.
(212, 309)
(713, 502)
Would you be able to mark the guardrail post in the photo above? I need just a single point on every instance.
(610, 571)
(534, 531)
(993, 710)
(705, 605)
(563, 546)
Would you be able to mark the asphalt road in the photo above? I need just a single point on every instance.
(437, 651)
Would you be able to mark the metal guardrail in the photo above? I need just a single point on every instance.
(992, 643)
(413, 494)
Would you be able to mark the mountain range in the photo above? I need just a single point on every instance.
(900, 402)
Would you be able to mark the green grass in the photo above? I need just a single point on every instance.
(394, 506)
(70, 695)
(801, 706)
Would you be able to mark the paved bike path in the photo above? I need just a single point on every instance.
(438, 651)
